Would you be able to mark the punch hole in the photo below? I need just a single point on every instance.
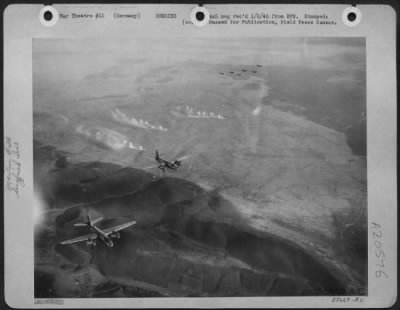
(200, 16)
(48, 16)
(351, 16)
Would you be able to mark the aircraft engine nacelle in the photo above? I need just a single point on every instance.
(91, 242)
(115, 234)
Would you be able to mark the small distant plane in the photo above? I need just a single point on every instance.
(105, 235)
(231, 72)
(259, 65)
(244, 70)
(164, 164)
(221, 73)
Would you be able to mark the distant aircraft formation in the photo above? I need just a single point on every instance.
(104, 235)
(243, 71)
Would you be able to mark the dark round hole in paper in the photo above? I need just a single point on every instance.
(200, 16)
(351, 16)
(48, 16)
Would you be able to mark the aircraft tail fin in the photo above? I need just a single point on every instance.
(89, 222)
(96, 220)
(157, 155)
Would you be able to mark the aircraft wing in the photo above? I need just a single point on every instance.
(118, 227)
(151, 167)
(80, 239)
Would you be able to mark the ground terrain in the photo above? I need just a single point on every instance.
(271, 201)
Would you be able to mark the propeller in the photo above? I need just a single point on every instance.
(183, 157)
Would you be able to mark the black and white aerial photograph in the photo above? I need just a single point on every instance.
(199, 167)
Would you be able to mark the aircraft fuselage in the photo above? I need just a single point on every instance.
(102, 236)
(167, 164)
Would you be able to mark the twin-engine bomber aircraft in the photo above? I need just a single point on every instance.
(105, 235)
(164, 164)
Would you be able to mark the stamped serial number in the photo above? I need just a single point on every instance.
(348, 299)
(377, 239)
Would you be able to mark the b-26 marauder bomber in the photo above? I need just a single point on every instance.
(164, 164)
(105, 235)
